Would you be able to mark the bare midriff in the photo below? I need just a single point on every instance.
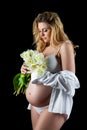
(38, 95)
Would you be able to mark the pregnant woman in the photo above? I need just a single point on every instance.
(51, 96)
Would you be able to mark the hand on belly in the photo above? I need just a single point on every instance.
(38, 95)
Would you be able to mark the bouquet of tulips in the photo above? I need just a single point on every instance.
(35, 62)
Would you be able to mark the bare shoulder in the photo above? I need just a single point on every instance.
(67, 47)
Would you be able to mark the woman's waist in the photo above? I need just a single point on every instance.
(35, 88)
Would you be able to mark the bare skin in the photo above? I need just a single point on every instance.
(39, 95)
(47, 120)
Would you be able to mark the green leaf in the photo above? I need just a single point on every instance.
(20, 82)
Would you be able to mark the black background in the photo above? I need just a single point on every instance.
(16, 36)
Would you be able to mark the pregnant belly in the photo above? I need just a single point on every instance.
(38, 95)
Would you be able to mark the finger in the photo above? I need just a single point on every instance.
(29, 72)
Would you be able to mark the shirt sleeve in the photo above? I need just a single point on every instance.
(64, 80)
(64, 84)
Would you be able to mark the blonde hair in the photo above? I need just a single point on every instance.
(58, 36)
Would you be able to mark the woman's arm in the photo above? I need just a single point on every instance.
(66, 78)
(67, 57)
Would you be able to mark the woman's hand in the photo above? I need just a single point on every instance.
(24, 69)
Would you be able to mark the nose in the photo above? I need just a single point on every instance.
(41, 33)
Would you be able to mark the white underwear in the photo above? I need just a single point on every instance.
(38, 109)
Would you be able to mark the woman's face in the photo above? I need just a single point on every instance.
(44, 31)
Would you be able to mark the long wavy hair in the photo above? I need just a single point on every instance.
(58, 36)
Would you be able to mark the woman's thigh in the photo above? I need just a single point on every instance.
(50, 121)
(34, 117)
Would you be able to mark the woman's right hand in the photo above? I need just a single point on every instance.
(24, 69)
